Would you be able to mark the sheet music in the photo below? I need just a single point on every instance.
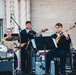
(54, 41)
(33, 43)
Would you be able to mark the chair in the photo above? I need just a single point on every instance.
(68, 65)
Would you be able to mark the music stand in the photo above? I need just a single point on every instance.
(26, 38)
(44, 43)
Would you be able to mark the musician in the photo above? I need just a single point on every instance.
(10, 42)
(25, 54)
(62, 48)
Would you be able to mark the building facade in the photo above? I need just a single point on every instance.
(42, 13)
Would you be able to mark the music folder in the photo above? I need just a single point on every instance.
(45, 41)
(26, 37)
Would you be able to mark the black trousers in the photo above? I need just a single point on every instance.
(53, 53)
(25, 61)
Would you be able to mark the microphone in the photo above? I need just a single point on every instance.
(75, 23)
(11, 19)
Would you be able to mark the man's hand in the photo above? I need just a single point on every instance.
(66, 35)
(15, 49)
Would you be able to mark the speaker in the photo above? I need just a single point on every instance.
(6, 68)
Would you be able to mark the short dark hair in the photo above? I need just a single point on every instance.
(28, 22)
(59, 24)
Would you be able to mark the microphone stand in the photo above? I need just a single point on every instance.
(19, 29)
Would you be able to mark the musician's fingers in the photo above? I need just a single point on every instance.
(23, 44)
(15, 50)
(65, 34)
